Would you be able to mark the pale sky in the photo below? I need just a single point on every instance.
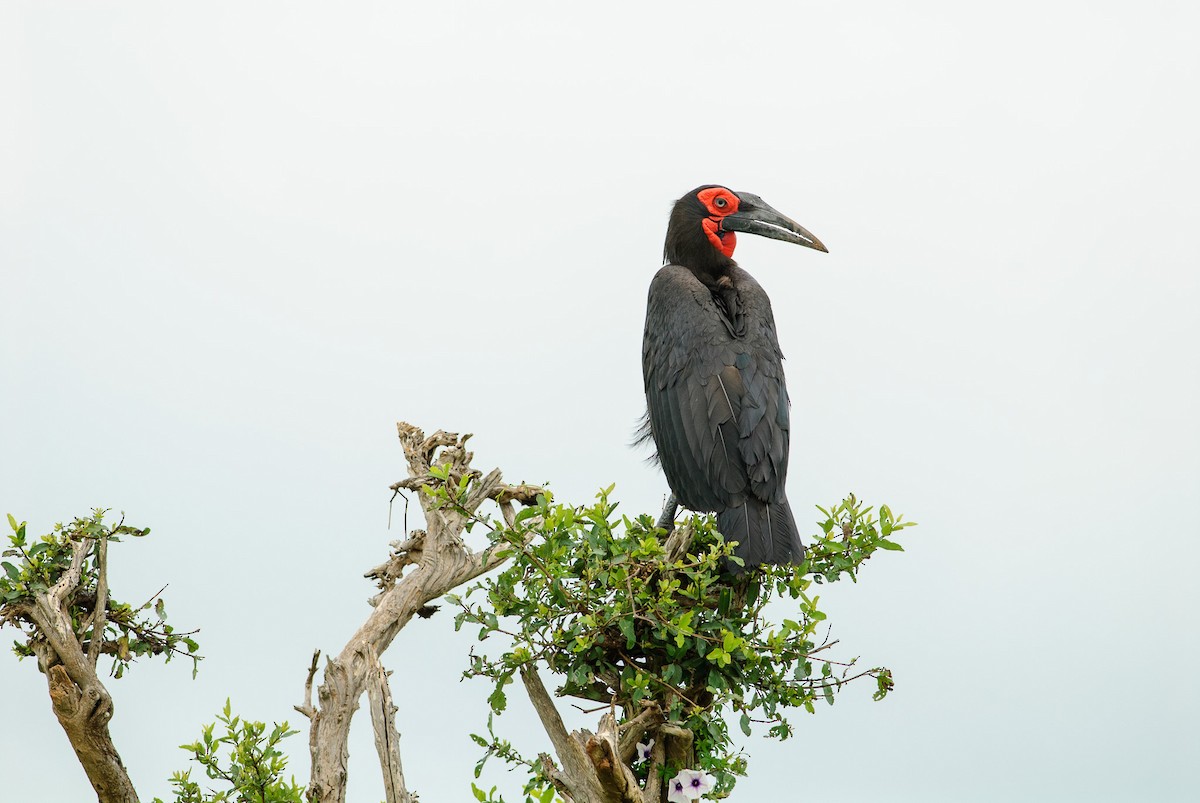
(239, 241)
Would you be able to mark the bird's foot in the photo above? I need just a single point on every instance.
(667, 520)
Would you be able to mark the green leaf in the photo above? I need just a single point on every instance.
(892, 545)
(722, 657)
(745, 723)
(626, 626)
(10, 570)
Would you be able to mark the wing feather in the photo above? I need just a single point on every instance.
(717, 404)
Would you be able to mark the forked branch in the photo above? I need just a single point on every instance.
(421, 568)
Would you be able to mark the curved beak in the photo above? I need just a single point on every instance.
(755, 216)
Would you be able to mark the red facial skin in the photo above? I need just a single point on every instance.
(720, 203)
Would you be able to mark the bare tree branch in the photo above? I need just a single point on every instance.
(616, 779)
(594, 769)
(387, 740)
(422, 568)
(307, 708)
(570, 752)
(677, 544)
(678, 744)
(653, 793)
(631, 731)
(98, 615)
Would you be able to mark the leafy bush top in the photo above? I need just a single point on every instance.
(37, 565)
(627, 618)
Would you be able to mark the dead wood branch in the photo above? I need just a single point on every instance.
(632, 730)
(653, 792)
(307, 708)
(594, 768)
(98, 616)
(422, 568)
(387, 739)
(679, 745)
(678, 543)
(580, 782)
(616, 778)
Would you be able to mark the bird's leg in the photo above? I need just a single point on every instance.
(667, 520)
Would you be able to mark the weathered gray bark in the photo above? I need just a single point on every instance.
(576, 780)
(441, 562)
(387, 738)
(80, 701)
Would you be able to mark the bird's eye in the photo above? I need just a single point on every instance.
(720, 202)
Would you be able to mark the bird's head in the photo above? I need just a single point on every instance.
(701, 234)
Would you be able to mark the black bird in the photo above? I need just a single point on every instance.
(717, 405)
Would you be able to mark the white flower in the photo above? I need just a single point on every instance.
(643, 752)
(689, 785)
(676, 792)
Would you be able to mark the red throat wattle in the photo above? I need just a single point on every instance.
(720, 203)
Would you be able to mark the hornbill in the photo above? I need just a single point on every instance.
(717, 406)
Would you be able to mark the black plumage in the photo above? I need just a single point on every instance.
(717, 403)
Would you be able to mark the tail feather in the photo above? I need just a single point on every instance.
(765, 532)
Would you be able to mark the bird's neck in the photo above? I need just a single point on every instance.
(696, 253)
(729, 303)
(718, 278)
(721, 281)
